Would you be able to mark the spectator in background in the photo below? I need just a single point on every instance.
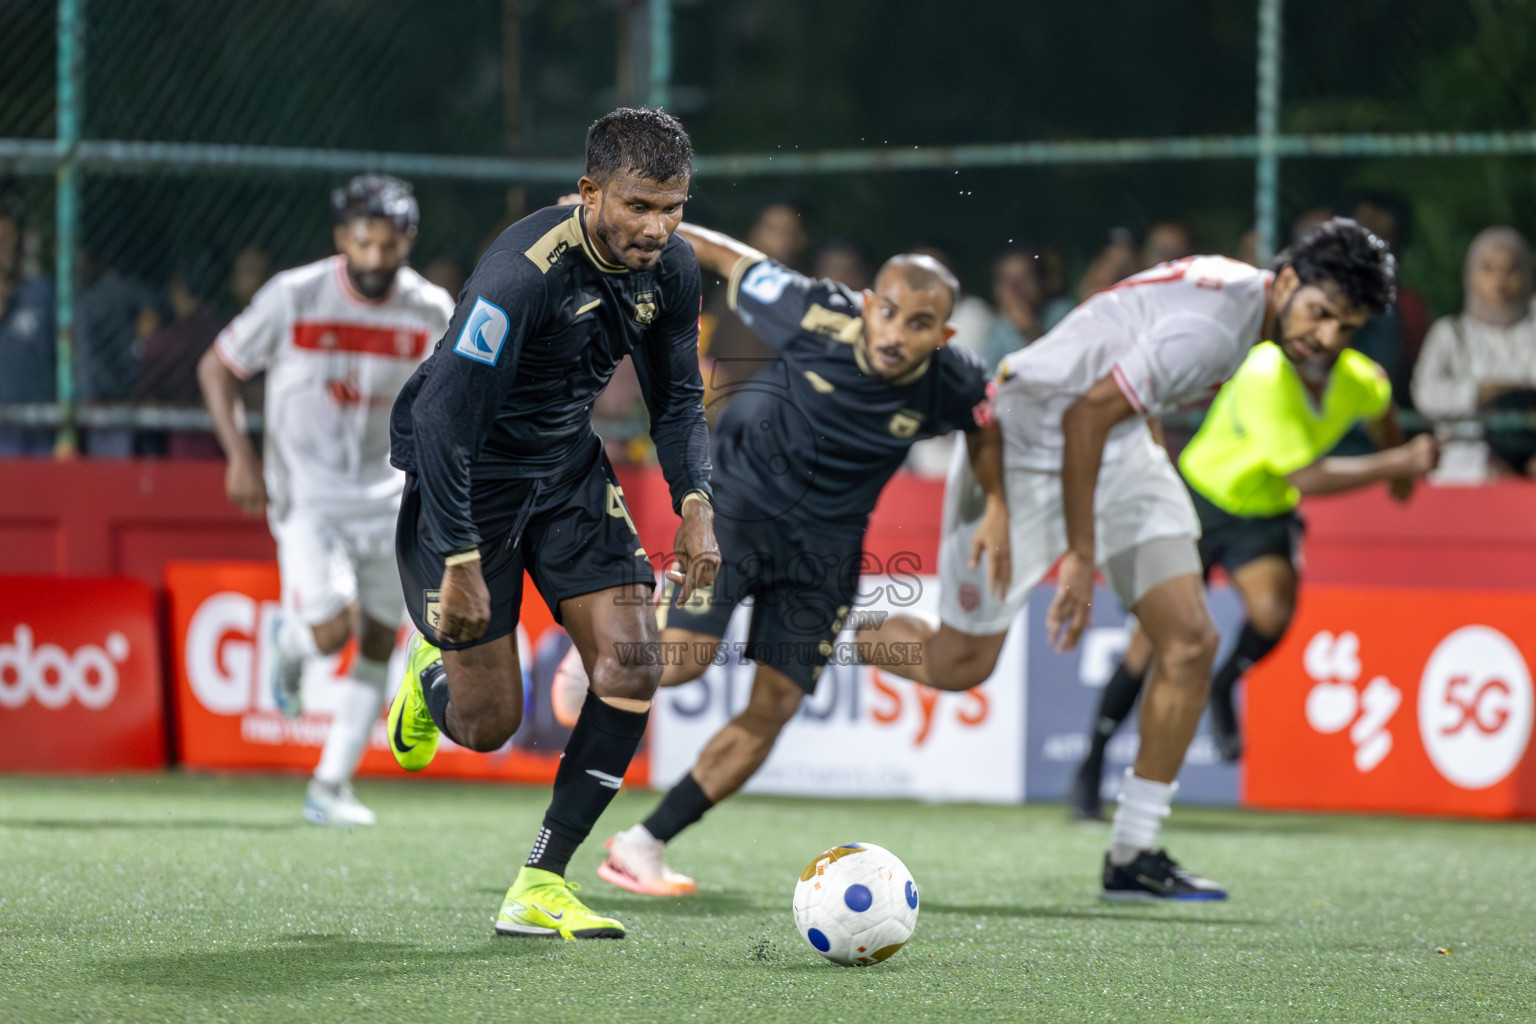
(1018, 296)
(27, 340)
(1248, 247)
(1052, 268)
(1118, 260)
(1394, 338)
(114, 314)
(843, 261)
(446, 273)
(1167, 240)
(168, 365)
(1484, 359)
(1305, 222)
(249, 271)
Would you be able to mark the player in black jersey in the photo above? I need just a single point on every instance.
(505, 474)
(800, 458)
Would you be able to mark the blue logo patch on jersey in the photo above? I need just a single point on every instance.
(766, 282)
(483, 334)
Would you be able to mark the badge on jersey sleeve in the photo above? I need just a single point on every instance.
(484, 332)
(766, 281)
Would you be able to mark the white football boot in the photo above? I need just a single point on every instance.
(634, 863)
(325, 804)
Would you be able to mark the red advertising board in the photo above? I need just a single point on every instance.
(79, 675)
(221, 615)
(1416, 701)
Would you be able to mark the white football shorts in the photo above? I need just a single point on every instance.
(1140, 498)
(330, 559)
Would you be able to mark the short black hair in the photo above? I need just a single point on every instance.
(1345, 252)
(376, 195)
(638, 140)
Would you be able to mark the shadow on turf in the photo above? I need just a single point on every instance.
(298, 961)
(95, 824)
(1150, 913)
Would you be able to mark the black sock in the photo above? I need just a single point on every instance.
(1115, 705)
(552, 851)
(596, 757)
(1251, 648)
(434, 687)
(683, 806)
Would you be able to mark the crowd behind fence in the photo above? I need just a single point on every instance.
(142, 202)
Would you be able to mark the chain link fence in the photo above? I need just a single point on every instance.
(159, 159)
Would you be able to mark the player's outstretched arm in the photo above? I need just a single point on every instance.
(1401, 466)
(984, 447)
(1084, 427)
(718, 253)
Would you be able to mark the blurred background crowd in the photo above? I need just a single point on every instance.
(168, 243)
(137, 341)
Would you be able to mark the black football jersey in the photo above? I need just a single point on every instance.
(539, 329)
(815, 433)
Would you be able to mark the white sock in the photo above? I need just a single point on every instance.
(296, 640)
(1143, 806)
(362, 695)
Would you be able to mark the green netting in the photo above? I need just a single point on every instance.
(330, 82)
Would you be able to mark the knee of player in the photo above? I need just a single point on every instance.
(633, 679)
(332, 635)
(774, 701)
(1191, 646)
(683, 672)
(1271, 615)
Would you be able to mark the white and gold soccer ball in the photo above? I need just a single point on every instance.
(856, 904)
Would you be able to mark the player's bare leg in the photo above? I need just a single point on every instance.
(728, 760)
(330, 799)
(1268, 589)
(484, 704)
(1176, 620)
(295, 642)
(1085, 801)
(684, 654)
(606, 626)
(945, 658)
(739, 749)
(1178, 624)
(697, 652)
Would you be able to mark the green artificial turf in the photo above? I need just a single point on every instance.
(200, 899)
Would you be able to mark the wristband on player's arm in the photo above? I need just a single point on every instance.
(697, 496)
(462, 558)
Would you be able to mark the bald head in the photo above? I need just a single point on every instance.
(921, 273)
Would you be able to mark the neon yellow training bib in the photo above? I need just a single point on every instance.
(1265, 424)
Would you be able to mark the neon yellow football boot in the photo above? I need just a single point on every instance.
(412, 733)
(541, 904)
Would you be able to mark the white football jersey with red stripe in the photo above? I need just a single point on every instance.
(335, 361)
(1169, 336)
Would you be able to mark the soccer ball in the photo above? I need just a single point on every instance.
(856, 904)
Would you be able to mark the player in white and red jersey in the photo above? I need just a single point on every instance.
(337, 339)
(1088, 483)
